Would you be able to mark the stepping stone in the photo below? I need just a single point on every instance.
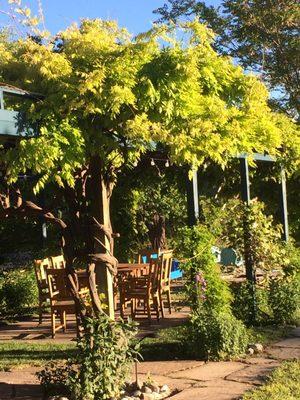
(218, 390)
(260, 360)
(166, 367)
(284, 353)
(292, 342)
(253, 374)
(209, 371)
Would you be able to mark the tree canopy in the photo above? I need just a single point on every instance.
(262, 34)
(116, 96)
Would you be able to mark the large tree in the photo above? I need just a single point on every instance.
(108, 98)
(261, 34)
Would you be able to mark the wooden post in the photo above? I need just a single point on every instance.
(195, 194)
(250, 270)
(192, 199)
(284, 209)
(245, 181)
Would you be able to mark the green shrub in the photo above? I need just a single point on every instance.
(213, 331)
(217, 335)
(102, 363)
(18, 291)
(284, 298)
(245, 303)
(195, 244)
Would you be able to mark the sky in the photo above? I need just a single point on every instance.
(135, 15)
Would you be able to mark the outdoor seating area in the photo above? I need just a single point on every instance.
(141, 289)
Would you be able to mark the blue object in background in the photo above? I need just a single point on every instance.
(175, 270)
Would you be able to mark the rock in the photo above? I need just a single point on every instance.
(148, 396)
(164, 388)
(154, 388)
(250, 351)
(146, 389)
(258, 348)
(136, 393)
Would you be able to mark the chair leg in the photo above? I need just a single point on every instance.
(133, 307)
(149, 310)
(169, 300)
(40, 311)
(156, 306)
(122, 306)
(63, 320)
(53, 323)
(161, 301)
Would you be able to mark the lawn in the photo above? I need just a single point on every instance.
(284, 383)
(15, 354)
(168, 344)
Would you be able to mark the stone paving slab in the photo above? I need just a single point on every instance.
(218, 390)
(210, 371)
(255, 374)
(260, 360)
(167, 367)
(284, 353)
(290, 342)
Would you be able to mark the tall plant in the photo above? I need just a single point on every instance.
(214, 332)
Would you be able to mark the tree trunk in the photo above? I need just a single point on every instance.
(99, 196)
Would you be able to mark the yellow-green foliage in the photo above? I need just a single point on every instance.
(106, 91)
(283, 384)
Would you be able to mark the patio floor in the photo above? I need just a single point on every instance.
(29, 329)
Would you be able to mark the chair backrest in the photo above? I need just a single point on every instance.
(40, 267)
(57, 284)
(166, 266)
(58, 262)
(154, 274)
(145, 255)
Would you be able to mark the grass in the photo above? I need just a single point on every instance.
(167, 345)
(15, 354)
(268, 334)
(284, 383)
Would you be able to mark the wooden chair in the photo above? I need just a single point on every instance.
(40, 267)
(143, 288)
(61, 301)
(165, 279)
(58, 262)
(144, 256)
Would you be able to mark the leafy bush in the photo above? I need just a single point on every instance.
(18, 291)
(214, 332)
(284, 298)
(217, 335)
(104, 356)
(195, 245)
(243, 307)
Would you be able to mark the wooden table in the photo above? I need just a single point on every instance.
(132, 269)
